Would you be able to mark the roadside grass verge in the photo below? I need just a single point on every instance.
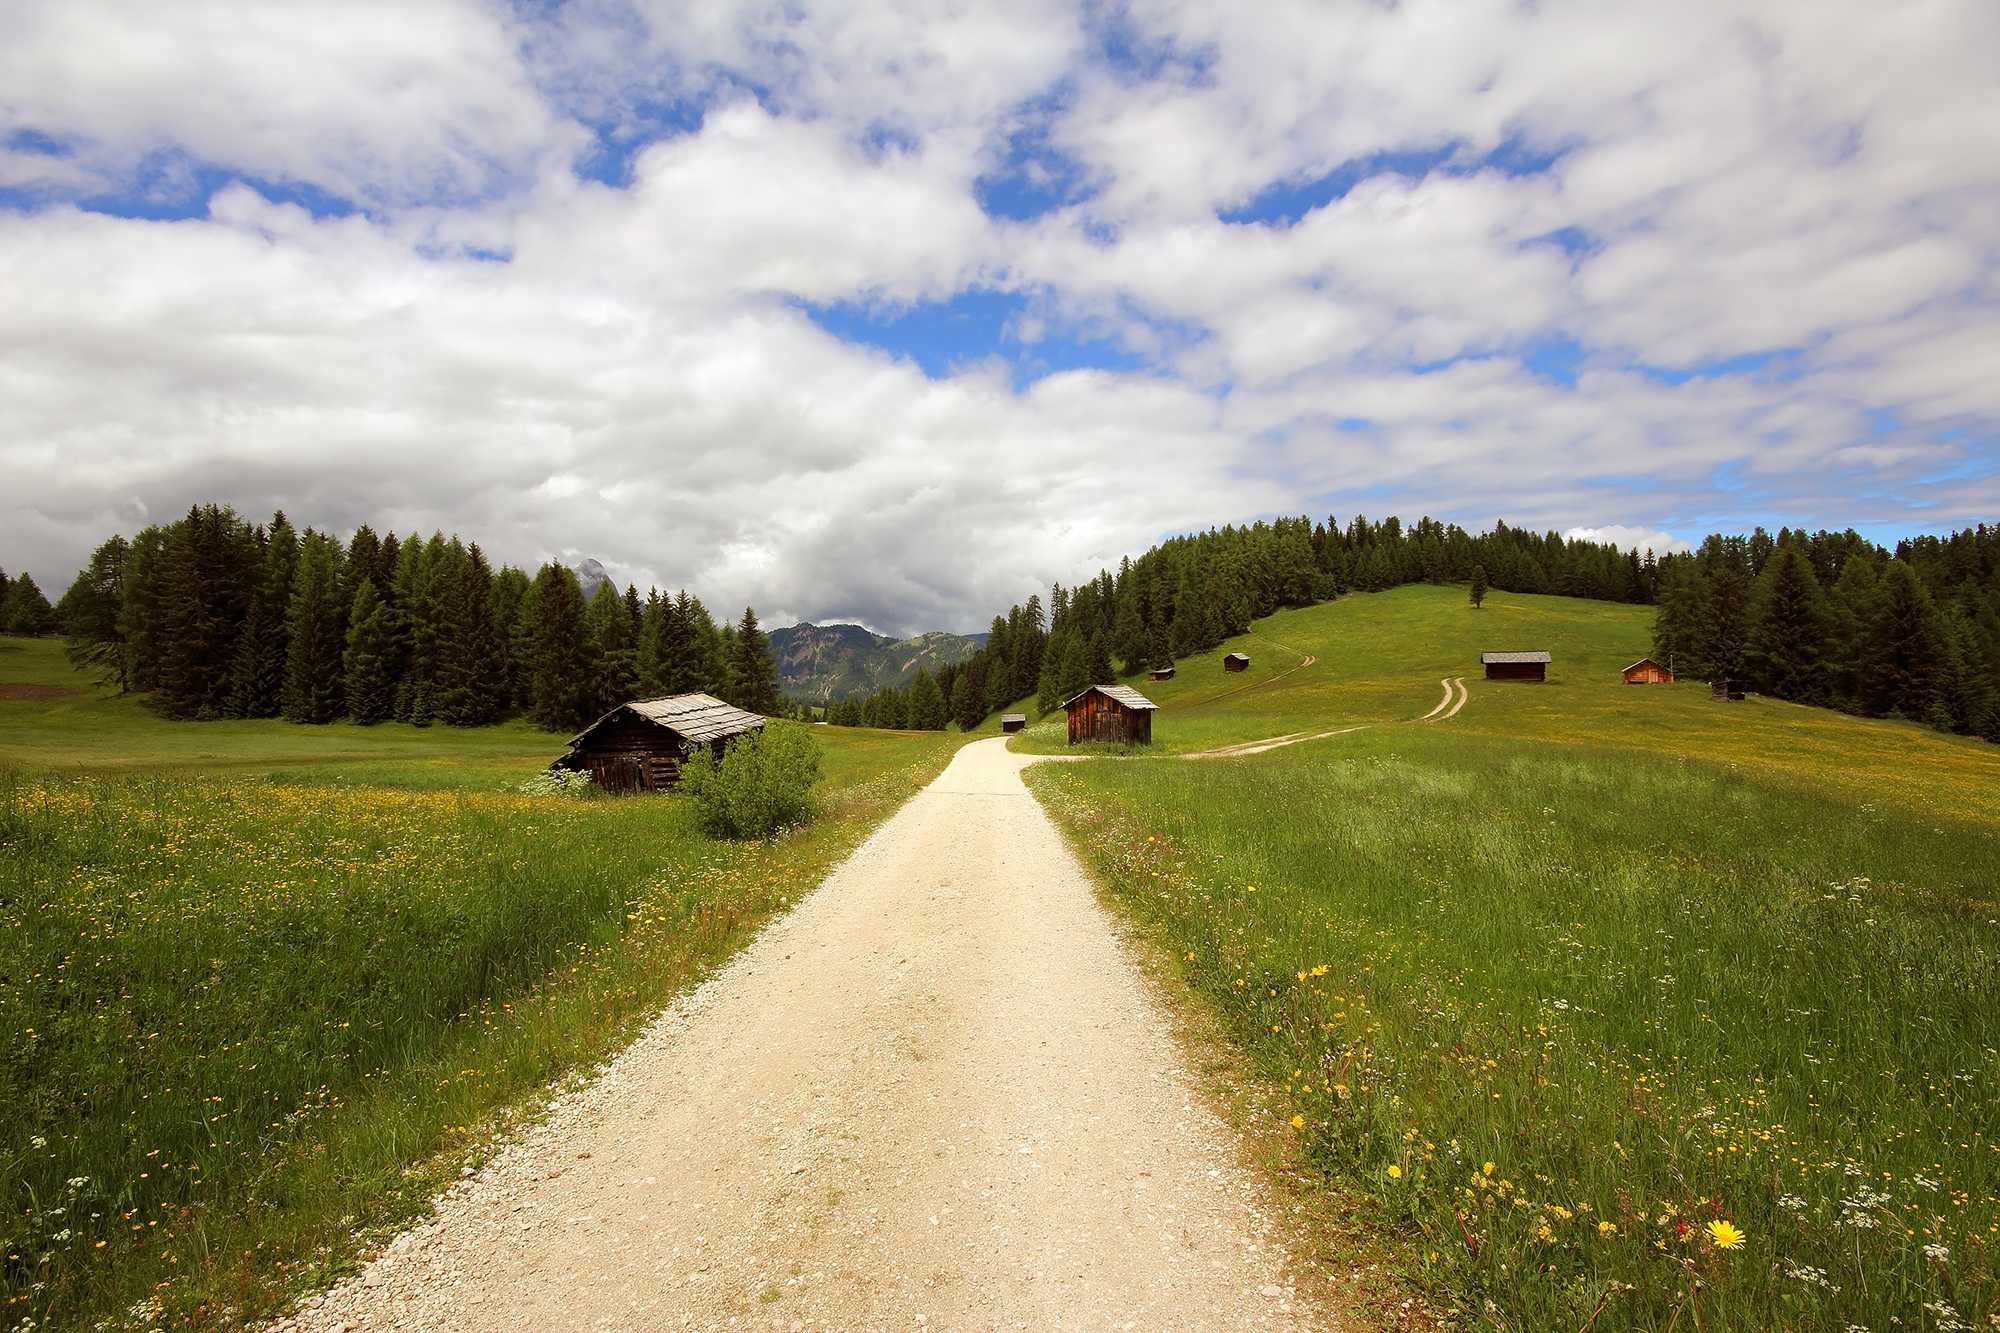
(247, 1027)
(1558, 1009)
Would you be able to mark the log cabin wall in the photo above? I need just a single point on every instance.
(1516, 671)
(631, 754)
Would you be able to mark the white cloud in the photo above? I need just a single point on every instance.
(1632, 539)
(1810, 187)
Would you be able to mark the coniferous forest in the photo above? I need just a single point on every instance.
(215, 617)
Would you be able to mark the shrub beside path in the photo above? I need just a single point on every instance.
(938, 1095)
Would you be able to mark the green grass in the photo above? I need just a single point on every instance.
(1659, 961)
(263, 988)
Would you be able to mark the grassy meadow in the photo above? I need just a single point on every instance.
(264, 988)
(1626, 1009)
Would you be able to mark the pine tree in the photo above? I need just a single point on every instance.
(753, 670)
(927, 712)
(26, 611)
(314, 624)
(562, 690)
(1478, 586)
(1907, 659)
(424, 573)
(968, 701)
(507, 605)
(614, 652)
(370, 652)
(211, 568)
(1725, 623)
(1788, 648)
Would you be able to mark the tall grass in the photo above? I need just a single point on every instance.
(1578, 1020)
(239, 1021)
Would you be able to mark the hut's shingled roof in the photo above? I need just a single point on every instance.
(1124, 694)
(695, 718)
(1488, 658)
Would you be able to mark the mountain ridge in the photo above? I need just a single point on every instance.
(837, 661)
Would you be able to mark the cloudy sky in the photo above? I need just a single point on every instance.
(894, 312)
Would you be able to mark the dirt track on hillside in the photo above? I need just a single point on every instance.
(938, 1095)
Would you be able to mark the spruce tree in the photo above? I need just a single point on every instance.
(1478, 586)
(614, 653)
(471, 683)
(26, 611)
(927, 711)
(507, 610)
(967, 702)
(753, 671)
(424, 573)
(211, 565)
(370, 653)
(1100, 662)
(562, 690)
(1907, 657)
(1788, 648)
(1725, 623)
(257, 677)
(317, 632)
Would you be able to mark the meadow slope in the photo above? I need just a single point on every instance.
(1614, 1004)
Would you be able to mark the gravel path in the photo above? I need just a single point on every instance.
(938, 1095)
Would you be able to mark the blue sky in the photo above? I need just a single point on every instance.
(854, 314)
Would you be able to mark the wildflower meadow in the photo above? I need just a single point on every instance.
(1612, 1040)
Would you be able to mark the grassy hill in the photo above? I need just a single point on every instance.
(1591, 993)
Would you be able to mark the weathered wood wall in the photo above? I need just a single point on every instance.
(1517, 671)
(1097, 718)
(629, 754)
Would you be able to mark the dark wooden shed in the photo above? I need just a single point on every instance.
(1013, 721)
(1236, 662)
(1160, 673)
(1515, 666)
(641, 746)
(1118, 714)
(1733, 691)
(1646, 671)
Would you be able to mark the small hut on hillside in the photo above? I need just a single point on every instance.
(1012, 722)
(1118, 714)
(1160, 673)
(1236, 662)
(640, 746)
(1515, 666)
(1646, 671)
(1728, 691)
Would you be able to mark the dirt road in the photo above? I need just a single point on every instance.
(939, 1096)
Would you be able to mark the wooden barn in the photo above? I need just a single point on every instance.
(1160, 673)
(641, 746)
(1728, 691)
(1646, 671)
(1011, 722)
(1118, 714)
(1236, 662)
(1515, 666)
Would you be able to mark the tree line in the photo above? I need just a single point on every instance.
(1832, 619)
(24, 610)
(217, 617)
(1189, 594)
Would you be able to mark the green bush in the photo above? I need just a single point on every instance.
(762, 784)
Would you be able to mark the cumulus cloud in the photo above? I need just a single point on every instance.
(553, 280)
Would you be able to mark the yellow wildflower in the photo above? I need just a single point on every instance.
(1725, 1235)
(1395, 1173)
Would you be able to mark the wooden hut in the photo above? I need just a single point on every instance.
(1646, 671)
(1115, 713)
(1515, 666)
(1012, 722)
(1160, 673)
(1731, 691)
(641, 746)
(1236, 662)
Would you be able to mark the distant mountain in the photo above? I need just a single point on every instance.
(588, 575)
(821, 662)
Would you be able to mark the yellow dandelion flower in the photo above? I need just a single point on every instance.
(1724, 1234)
(1607, 1228)
(1395, 1173)
(1298, 1122)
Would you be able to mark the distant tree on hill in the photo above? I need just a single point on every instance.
(1478, 586)
(1788, 646)
(1908, 653)
(471, 684)
(614, 649)
(257, 673)
(24, 609)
